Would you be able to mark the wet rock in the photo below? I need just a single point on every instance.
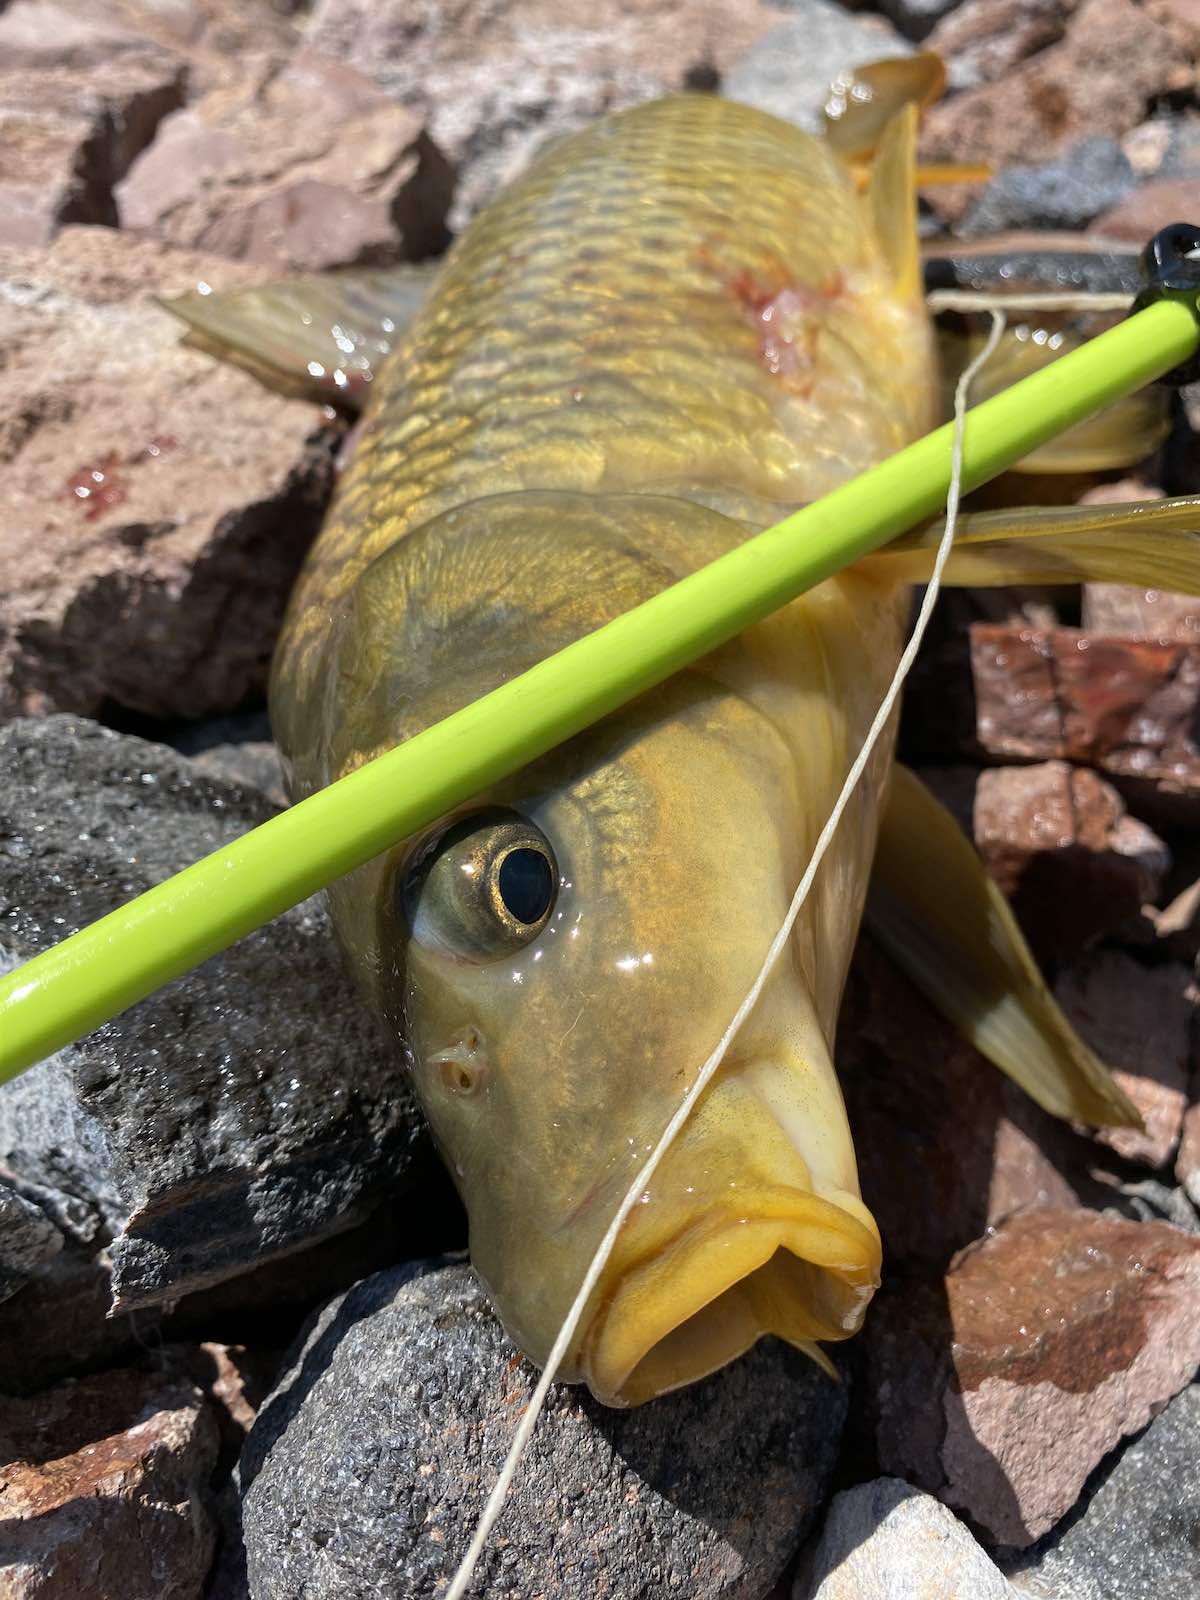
(70, 135)
(946, 1145)
(1136, 1531)
(365, 1472)
(983, 40)
(1098, 79)
(104, 1490)
(789, 70)
(1059, 842)
(157, 502)
(1084, 181)
(249, 172)
(493, 82)
(885, 1539)
(1139, 215)
(239, 747)
(1126, 706)
(1001, 1388)
(248, 1109)
(1140, 1021)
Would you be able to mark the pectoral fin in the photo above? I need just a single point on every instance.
(324, 335)
(1155, 542)
(947, 925)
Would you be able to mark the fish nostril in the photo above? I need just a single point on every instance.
(463, 1065)
(458, 1076)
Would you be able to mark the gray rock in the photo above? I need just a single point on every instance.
(367, 1469)
(1065, 193)
(247, 1110)
(28, 1239)
(884, 1540)
(1135, 1534)
(789, 70)
(916, 19)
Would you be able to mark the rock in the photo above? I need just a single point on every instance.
(1002, 1387)
(105, 1484)
(1140, 1021)
(789, 70)
(494, 82)
(1126, 706)
(886, 1540)
(250, 1108)
(947, 1146)
(1150, 614)
(28, 1240)
(238, 747)
(1138, 215)
(249, 172)
(1098, 79)
(983, 40)
(234, 1379)
(1187, 1161)
(366, 1470)
(1137, 1530)
(916, 18)
(69, 135)
(94, 34)
(1087, 179)
(1059, 842)
(157, 502)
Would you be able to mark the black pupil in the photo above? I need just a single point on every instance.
(526, 884)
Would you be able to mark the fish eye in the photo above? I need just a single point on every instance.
(481, 889)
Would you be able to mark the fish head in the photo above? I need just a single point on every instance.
(561, 955)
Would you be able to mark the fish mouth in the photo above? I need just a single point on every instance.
(787, 1263)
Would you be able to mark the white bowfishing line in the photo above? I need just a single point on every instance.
(521, 1438)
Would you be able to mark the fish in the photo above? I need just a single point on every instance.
(677, 326)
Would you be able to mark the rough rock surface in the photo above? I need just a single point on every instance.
(946, 1145)
(494, 81)
(365, 1471)
(69, 135)
(1135, 1535)
(1013, 692)
(1002, 1387)
(250, 172)
(1139, 215)
(248, 1109)
(1100, 78)
(1060, 843)
(154, 498)
(789, 70)
(1187, 1161)
(1087, 179)
(983, 40)
(886, 1540)
(105, 1484)
(1141, 1021)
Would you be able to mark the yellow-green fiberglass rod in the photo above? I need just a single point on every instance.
(98, 972)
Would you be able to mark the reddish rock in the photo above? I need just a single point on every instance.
(1001, 1388)
(250, 172)
(1126, 706)
(157, 502)
(1147, 209)
(1099, 79)
(69, 134)
(1058, 841)
(946, 1144)
(985, 39)
(495, 81)
(1149, 614)
(236, 1380)
(104, 1490)
(1139, 1020)
(1187, 1161)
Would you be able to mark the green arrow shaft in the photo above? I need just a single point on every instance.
(108, 966)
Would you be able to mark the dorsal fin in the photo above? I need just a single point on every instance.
(892, 200)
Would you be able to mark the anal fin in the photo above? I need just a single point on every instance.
(947, 925)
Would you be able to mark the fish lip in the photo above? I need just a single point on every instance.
(618, 1363)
